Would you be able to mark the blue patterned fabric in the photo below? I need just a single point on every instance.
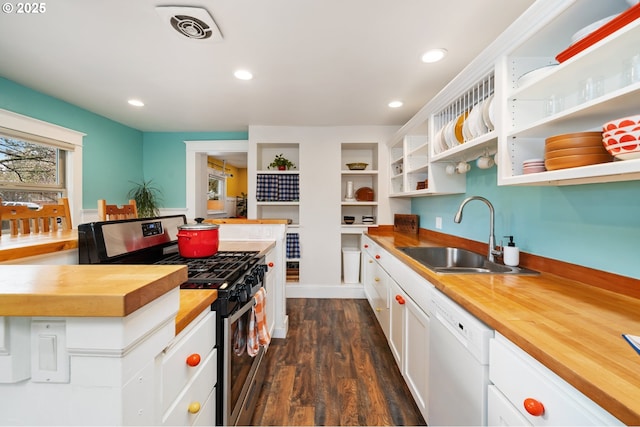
(293, 246)
(267, 188)
(288, 188)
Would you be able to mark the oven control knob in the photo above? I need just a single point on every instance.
(239, 294)
(259, 272)
(250, 281)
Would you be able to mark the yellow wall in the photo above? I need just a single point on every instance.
(237, 183)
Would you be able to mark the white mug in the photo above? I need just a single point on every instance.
(485, 162)
(463, 167)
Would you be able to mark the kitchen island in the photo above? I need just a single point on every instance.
(571, 327)
(104, 344)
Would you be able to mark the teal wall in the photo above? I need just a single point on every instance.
(165, 161)
(595, 225)
(114, 156)
(112, 152)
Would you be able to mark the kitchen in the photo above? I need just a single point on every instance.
(575, 219)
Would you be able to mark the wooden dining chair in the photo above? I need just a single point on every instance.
(24, 220)
(113, 212)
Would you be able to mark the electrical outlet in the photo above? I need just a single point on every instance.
(439, 222)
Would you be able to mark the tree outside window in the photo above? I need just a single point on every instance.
(30, 173)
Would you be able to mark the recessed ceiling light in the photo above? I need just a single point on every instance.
(434, 55)
(395, 104)
(243, 75)
(136, 103)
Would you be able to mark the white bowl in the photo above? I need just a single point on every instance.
(621, 122)
(632, 137)
(624, 129)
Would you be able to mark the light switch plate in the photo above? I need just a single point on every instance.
(439, 222)
(49, 357)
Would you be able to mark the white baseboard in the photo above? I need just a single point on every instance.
(325, 291)
(281, 332)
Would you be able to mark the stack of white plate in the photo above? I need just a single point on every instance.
(533, 166)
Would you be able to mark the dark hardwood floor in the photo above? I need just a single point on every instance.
(334, 368)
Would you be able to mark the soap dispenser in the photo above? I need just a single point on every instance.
(511, 253)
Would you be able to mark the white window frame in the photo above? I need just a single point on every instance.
(70, 140)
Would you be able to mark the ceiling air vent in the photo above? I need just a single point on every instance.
(191, 22)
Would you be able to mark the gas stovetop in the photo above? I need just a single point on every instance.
(212, 272)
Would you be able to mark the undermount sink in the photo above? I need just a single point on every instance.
(459, 261)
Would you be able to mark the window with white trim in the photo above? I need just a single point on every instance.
(39, 162)
(32, 173)
(216, 193)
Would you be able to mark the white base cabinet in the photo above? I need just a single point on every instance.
(521, 382)
(402, 315)
(108, 371)
(416, 351)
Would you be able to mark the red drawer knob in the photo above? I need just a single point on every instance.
(377, 256)
(400, 299)
(270, 265)
(366, 246)
(193, 360)
(534, 407)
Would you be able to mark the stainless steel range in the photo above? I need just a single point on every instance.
(236, 275)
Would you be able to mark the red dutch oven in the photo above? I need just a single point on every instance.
(198, 240)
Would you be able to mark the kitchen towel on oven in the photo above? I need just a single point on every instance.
(258, 328)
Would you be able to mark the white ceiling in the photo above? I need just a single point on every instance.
(315, 62)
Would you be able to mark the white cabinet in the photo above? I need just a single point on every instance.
(398, 318)
(521, 118)
(416, 350)
(404, 320)
(537, 394)
(377, 284)
(414, 173)
(270, 287)
(113, 366)
(188, 370)
(529, 120)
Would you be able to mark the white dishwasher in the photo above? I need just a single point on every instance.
(458, 365)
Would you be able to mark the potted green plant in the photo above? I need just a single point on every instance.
(147, 199)
(281, 163)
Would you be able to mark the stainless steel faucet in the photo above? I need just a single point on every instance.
(492, 238)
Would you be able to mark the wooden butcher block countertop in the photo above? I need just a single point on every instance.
(104, 290)
(84, 290)
(12, 247)
(572, 327)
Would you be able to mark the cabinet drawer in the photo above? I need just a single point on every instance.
(197, 391)
(175, 371)
(519, 376)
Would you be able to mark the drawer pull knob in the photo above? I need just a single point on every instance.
(270, 265)
(400, 299)
(193, 360)
(194, 407)
(366, 246)
(534, 407)
(377, 256)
